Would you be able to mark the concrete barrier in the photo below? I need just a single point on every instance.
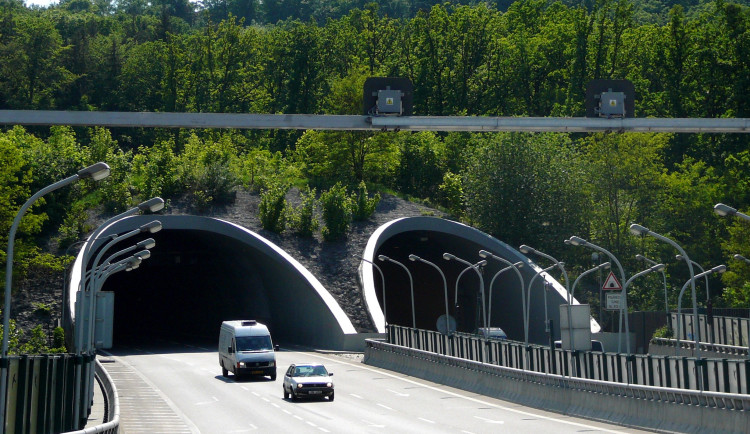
(655, 408)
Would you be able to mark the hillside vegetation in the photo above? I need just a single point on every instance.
(528, 58)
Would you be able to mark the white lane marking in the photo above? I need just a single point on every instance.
(397, 393)
(215, 400)
(310, 423)
(297, 417)
(356, 396)
(426, 420)
(275, 405)
(467, 432)
(489, 420)
(256, 393)
(323, 429)
(244, 388)
(286, 411)
(385, 406)
(372, 424)
(265, 399)
(468, 398)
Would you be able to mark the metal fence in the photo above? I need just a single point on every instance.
(724, 330)
(46, 393)
(716, 375)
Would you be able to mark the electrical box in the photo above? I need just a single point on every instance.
(389, 102)
(387, 96)
(105, 313)
(610, 99)
(611, 104)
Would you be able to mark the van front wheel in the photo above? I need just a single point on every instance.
(224, 372)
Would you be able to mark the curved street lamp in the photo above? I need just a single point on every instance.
(640, 257)
(717, 269)
(637, 229)
(475, 267)
(578, 241)
(445, 287)
(726, 210)
(411, 286)
(526, 249)
(738, 257)
(528, 298)
(382, 278)
(515, 267)
(708, 294)
(602, 266)
(96, 172)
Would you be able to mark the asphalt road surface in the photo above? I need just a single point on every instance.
(178, 388)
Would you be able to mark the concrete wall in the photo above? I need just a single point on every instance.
(653, 408)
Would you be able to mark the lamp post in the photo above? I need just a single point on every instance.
(411, 286)
(95, 172)
(382, 279)
(709, 306)
(528, 299)
(445, 287)
(515, 267)
(738, 257)
(726, 210)
(637, 229)
(717, 269)
(602, 266)
(475, 267)
(526, 249)
(640, 257)
(578, 241)
(94, 286)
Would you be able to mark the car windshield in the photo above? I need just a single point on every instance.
(310, 371)
(254, 343)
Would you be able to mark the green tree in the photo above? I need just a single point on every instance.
(337, 213)
(302, 218)
(525, 189)
(273, 208)
(363, 206)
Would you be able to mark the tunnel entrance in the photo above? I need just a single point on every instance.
(191, 283)
(464, 304)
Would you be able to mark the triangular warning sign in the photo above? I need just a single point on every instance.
(611, 282)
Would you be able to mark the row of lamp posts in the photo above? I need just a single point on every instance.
(91, 282)
(635, 229)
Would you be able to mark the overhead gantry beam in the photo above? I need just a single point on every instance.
(373, 123)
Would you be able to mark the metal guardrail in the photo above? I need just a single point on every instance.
(44, 392)
(111, 405)
(673, 372)
(739, 402)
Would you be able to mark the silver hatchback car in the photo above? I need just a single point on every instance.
(310, 380)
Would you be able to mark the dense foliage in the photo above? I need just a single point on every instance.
(522, 58)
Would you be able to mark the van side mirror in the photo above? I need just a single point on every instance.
(230, 350)
(276, 347)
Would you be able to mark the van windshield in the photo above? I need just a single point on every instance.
(254, 343)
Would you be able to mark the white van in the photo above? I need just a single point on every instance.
(245, 348)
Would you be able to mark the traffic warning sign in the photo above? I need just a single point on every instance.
(612, 283)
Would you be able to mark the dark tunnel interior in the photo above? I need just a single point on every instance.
(429, 288)
(192, 281)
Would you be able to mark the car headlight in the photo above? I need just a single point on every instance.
(272, 364)
(299, 386)
(242, 364)
(329, 385)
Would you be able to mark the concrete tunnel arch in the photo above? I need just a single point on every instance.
(204, 270)
(429, 238)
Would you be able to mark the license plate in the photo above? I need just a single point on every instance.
(256, 372)
(315, 392)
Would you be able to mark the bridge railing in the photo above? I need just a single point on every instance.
(716, 375)
(43, 391)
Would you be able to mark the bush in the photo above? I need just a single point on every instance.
(336, 212)
(273, 208)
(664, 332)
(364, 207)
(302, 219)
